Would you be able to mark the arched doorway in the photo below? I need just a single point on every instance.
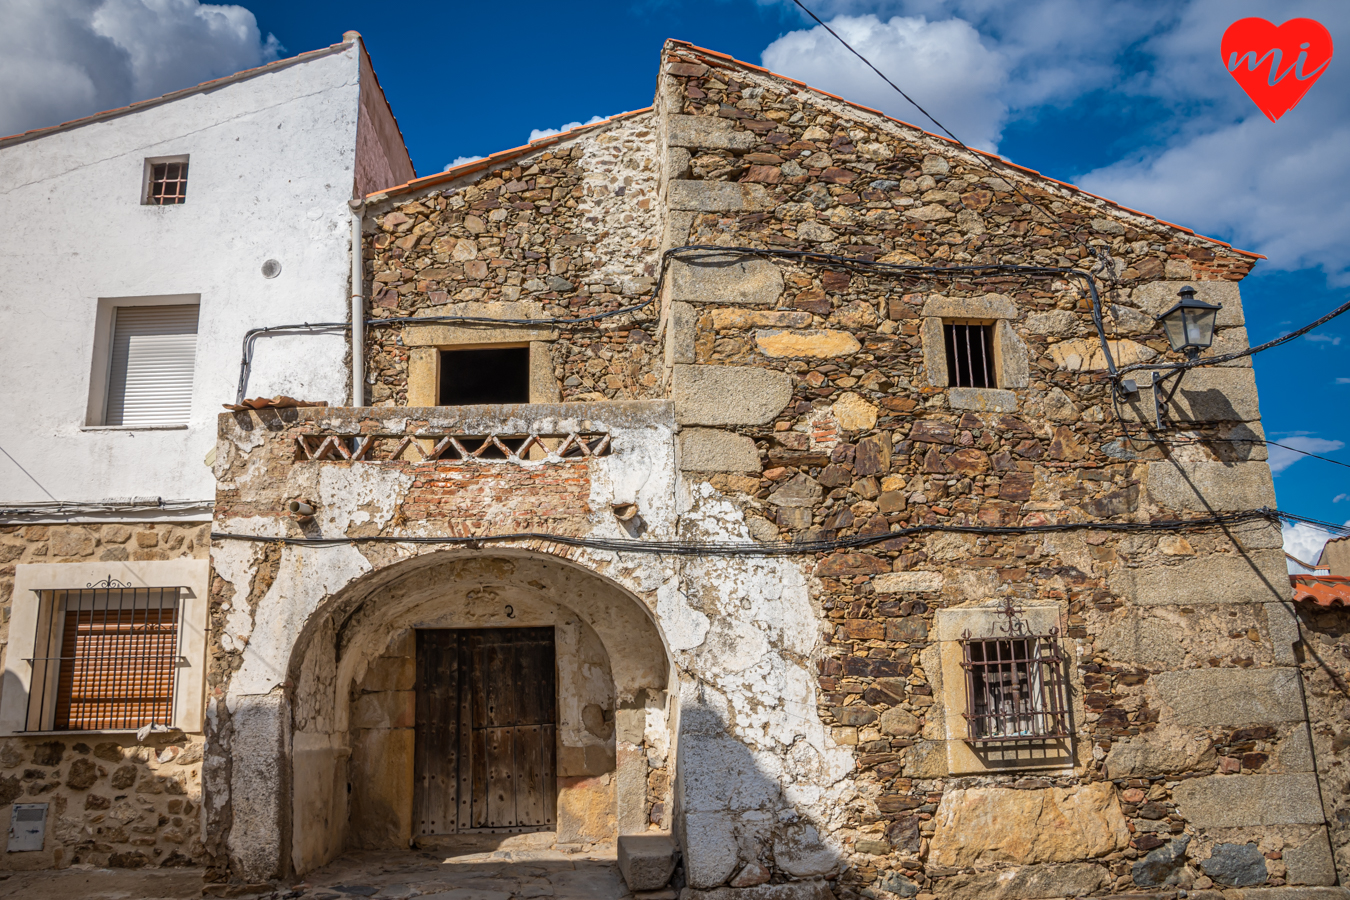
(389, 746)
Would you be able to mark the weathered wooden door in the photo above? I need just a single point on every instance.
(486, 717)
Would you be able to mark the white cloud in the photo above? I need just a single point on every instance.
(942, 65)
(1343, 380)
(63, 60)
(538, 133)
(1281, 458)
(1332, 339)
(461, 160)
(1304, 542)
(1339, 497)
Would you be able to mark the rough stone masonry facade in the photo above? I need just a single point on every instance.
(112, 800)
(802, 720)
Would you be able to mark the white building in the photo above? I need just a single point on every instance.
(142, 246)
(125, 313)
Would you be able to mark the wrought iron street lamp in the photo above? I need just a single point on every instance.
(1190, 324)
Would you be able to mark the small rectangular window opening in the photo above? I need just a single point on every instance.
(970, 354)
(1014, 689)
(105, 659)
(168, 183)
(492, 376)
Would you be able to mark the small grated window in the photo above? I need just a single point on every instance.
(105, 657)
(1014, 689)
(168, 183)
(970, 354)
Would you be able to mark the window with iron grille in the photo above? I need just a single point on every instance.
(970, 354)
(105, 658)
(1014, 688)
(166, 184)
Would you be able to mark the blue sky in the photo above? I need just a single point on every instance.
(1125, 97)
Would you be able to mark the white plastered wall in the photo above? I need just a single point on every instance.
(271, 170)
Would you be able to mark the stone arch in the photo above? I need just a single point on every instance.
(350, 703)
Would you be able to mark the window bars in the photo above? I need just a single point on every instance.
(168, 183)
(109, 656)
(970, 355)
(1014, 685)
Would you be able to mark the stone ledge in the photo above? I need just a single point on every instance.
(982, 399)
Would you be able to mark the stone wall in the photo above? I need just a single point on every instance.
(111, 800)
(1324, 660)
(568, 231)
(812, 403)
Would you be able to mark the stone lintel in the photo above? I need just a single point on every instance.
(989, 306)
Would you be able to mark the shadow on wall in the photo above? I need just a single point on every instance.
(733, 822)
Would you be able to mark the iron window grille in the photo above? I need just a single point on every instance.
(970, 354)
(106, 657)
(168, 183)
(1014, 685)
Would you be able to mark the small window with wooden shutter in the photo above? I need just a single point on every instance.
(105, 658)
(151, 358)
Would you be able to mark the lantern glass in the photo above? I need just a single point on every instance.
(1199, 326)
(1190, 324)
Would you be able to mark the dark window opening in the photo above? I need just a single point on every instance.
(970, 355)
(485, 376)
(168, 184)
(1014, 689)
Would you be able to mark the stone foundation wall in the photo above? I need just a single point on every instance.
(111, 801)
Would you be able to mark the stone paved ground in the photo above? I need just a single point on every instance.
(473, 868)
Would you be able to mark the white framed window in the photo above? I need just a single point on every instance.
(144, 355)
(106, 647)
(165, 181)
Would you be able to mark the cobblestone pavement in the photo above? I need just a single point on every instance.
(469, 868)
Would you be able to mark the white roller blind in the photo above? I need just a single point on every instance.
(150, 380)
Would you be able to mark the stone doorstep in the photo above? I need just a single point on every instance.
(646, 861)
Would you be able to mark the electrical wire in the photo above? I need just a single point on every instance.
(1342, 530)
(767, 548)
(1248, 441)
(1239, 354)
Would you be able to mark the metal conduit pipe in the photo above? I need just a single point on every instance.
(358, 307)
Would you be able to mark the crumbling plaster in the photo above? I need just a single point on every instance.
(739, 633)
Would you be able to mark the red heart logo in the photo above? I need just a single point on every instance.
(1276, 66)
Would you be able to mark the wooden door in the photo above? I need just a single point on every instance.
(485, 732)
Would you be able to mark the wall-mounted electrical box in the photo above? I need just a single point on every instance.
(27, 826)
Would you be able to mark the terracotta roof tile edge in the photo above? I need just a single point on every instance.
(948, 140)
(492, 159)
(32, 134)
